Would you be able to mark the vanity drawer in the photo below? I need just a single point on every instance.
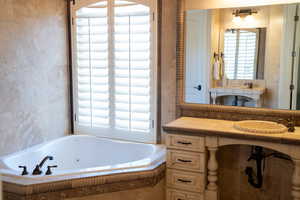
(188, 181)
(186, 160)
(189, 143)
(181, 195)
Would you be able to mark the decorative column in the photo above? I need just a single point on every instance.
(296, 180)
(212, 187)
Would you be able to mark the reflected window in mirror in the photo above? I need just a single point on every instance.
(242, 49)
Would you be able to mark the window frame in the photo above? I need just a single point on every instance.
(108, 133)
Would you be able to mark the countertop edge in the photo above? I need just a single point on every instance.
(201, 132)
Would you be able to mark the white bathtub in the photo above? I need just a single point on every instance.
(79, 157)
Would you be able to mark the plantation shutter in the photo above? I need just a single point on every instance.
(132, 66)
(114, 84)
(246, 58)
(240, 49)
(92, 65)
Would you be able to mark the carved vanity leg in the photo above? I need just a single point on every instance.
(296, 180)
(214, 98)
(212, 187)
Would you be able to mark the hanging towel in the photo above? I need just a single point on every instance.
(221, 68)
(217, 70)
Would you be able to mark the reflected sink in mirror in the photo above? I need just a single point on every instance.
(255, 94)
(264, 127)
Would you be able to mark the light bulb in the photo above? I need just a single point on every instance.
(249, 19)
(237, 19)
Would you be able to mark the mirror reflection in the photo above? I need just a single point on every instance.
(243, 56)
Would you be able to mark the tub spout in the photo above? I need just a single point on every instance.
(37, 170)
(44, 160)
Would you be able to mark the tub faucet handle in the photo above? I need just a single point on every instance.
(24, 172)
(49, 172)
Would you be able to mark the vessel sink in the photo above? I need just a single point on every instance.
(263, 127)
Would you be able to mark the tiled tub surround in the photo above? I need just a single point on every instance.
(186, 133)
(94, 165)
(105, 186)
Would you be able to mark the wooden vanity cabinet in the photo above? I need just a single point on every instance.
(192, 145)
(186, 167)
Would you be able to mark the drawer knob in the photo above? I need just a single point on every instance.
(184, 161)
(184, 181)
(184, 143)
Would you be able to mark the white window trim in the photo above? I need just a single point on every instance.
(109, 133)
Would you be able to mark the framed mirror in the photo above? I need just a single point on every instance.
(246, 57)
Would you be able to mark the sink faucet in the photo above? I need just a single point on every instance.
(249, 85)
(289, 123)
(37, 170)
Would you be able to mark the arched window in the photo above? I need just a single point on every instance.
(114, 68)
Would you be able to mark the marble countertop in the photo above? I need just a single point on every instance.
(224, 128)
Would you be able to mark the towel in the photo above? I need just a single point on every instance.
(217, 70)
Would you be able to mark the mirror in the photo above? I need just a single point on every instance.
(243, 56)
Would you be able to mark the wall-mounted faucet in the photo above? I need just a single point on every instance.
(249, 85)
(37, 170)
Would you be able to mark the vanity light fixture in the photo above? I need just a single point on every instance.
(240, 14)
(243, 12)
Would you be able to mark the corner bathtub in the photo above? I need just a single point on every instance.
(81, 157)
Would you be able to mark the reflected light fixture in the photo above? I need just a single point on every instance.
(237, 19)
(240, 14)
